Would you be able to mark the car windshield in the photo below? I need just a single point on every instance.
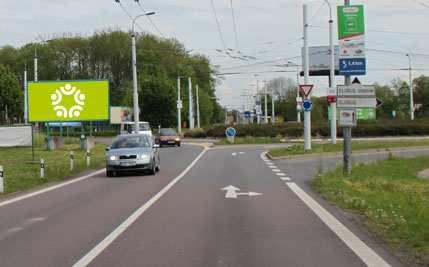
(167, 132)
(131, 142)
(144, 126)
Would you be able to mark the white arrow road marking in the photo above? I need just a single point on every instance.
(234, 154)
(231, 192)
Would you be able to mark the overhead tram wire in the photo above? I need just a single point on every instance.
(421, 3)
(379, 31)
(128, 14)
(234, 25)
(150, 19)
(218, 27)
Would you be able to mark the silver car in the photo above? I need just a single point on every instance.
(132, 152)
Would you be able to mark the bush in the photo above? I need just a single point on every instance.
(196, 133)
(294, 130)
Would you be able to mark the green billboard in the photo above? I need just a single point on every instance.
(68, 100)
(350, 21)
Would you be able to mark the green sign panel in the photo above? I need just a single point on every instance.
(68, 101)
(366, 114)
(350, 21)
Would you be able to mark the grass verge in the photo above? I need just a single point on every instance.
(21, 175)
(248, 140)
(298, 149)
(392, 199)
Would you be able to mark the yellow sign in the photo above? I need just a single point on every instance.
(68, 101)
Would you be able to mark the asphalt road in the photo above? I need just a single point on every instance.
(182, 217)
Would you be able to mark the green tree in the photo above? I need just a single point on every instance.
(11, 104)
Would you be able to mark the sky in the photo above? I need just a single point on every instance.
(270, 31)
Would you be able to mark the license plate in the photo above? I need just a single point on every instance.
(128, 164)
(171, 142)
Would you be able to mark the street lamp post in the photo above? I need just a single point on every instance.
(134, 64)
(411, 88)
(332, 75)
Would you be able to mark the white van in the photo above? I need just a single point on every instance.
(144, 128)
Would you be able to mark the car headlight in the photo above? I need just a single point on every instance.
(177, 139)
(144, 156)
(113, 158)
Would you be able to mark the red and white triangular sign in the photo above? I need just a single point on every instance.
(305, 89)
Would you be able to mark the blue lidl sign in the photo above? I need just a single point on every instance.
(352, 66)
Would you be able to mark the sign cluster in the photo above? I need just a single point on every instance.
(351, 34)
(353, 98)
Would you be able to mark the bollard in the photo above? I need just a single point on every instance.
(1, 180)
(42, 168)
(88, 158)
(71, 160)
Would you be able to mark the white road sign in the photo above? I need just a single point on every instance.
(348, 118)
(349, 102)
(356, 90)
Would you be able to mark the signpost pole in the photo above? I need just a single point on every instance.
(307, 114)
(347, 133)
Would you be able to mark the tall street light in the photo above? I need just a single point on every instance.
(332, 75)
(134, 64)
(411, 88)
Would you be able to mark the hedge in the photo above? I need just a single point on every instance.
(294, 130)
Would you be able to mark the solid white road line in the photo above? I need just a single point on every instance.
(234, 154)
(272, 167)
(276, 170)
(97, 250)
(285, 178)
(365, 253)
(16, 199)
(270, 163)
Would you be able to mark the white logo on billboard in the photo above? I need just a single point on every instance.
(68, 91)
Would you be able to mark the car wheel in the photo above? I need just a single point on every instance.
(157, 168)
(109, 174)
(178, 144)
(152, 170)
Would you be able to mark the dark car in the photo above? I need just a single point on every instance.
(132, 152)
(168, 137)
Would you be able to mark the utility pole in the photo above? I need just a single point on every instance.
(258, 103)
(198, 108)
(191, 108)
(179, 107)
(265, 103)
(411, 88)
(273, 114)
(298, 112)
(25, 95)
(36, 78)
(347, 132)
(307, 114)
(135, 92)
(332, 75)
